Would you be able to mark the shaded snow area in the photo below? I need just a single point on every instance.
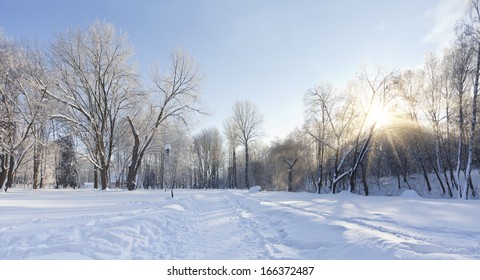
(88, 224)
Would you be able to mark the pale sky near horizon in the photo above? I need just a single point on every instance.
(267, 51)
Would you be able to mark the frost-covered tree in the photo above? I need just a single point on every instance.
(376, 92)
(208, 149)
(95, 84)
(175, 96)
(472, 31)
(247, 120)
(232, 143)
(460, 68)
(319, 109)
(22, 106)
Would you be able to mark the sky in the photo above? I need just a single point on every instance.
(266, 51)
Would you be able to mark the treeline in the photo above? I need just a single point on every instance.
(78, 112)
(84, 87)
(421, 121)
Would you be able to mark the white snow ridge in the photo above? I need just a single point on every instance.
(233, 224)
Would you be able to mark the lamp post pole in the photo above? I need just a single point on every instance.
(167, 148)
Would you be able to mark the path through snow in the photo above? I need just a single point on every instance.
(87, 224)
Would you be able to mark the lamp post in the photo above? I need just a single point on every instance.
(167, 148)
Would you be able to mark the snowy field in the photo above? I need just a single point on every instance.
(208, 225)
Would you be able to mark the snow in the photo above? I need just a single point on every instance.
(410, 194)
(255, 189)
(233, 224)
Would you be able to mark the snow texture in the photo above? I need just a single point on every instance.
(227, 224)
(410, 194)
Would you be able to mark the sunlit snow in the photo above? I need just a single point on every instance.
(234, 224)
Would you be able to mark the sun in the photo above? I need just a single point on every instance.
(379, 116)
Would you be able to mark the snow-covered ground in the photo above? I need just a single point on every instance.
(234, 224)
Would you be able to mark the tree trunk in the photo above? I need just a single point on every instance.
(358, 160)
(104, 177)
(447, 183)
(459, 149)
(364, 179)
(229, 173)
(438, 167)
(136, 158)
(290, 179)
(4, 166)
(471, 142)
(133, 167)
(406, 182)
(334, 186)
(435, 170)
(320, 158)
(36, 166)
(425, 176)
(95, 178)
(247, 183)
(234, 169)
(43, 170)
(353, 180)
(11, 168)
(131, 175)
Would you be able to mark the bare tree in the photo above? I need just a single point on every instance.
(435, 112)
(247, 120)
(176, 96)
(460, 69)
(208, 150)
(472, 30)
(22, 106)
(319, 103)
(377, 93)
(232, 141)
(341, 120)
(289, 152)
(95, 85)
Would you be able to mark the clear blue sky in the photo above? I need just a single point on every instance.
(267, 51)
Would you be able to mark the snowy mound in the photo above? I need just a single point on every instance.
(345, 193)
(410, 194)
(255, 189)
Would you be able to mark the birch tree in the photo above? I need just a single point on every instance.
(460, 69)
(435, 111)
(472, 29)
